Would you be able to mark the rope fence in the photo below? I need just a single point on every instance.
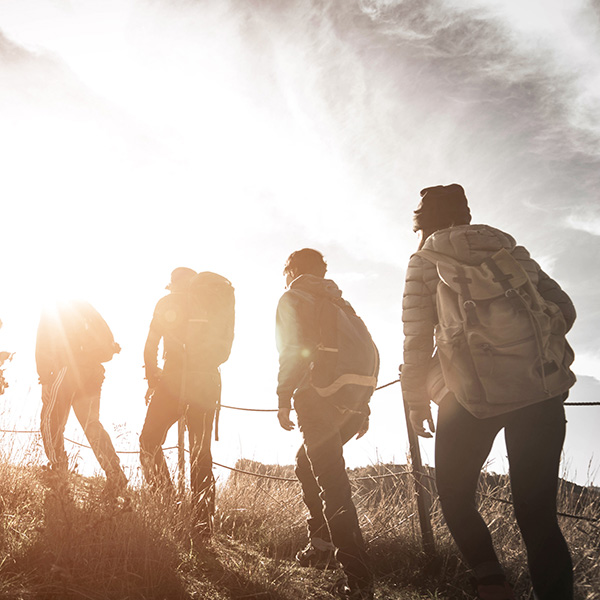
(416, 470)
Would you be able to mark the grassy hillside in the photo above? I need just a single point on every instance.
(73, 543)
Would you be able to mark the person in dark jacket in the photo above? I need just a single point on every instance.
(326, 424)
(167, 403)
(534, 432)
(73, 340)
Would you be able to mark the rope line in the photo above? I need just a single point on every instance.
(560, 514)
(250, 409)
(294, 480)
(275, 409)
(387, 385)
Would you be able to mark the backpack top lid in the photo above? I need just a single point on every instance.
(483, 281)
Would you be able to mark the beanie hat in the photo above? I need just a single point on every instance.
(441, 206)
(180, 277)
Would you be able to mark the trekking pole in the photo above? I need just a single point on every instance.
(421, 488)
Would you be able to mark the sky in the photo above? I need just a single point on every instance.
(137, 136)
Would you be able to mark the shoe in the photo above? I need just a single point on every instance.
(319, 559)
(348, 589)
(496, 591)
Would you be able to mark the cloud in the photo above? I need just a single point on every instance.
(590, 222)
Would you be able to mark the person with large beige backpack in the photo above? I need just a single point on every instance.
(485, 333)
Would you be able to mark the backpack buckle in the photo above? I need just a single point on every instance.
(470, 306)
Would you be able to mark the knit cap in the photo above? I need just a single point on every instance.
(441, 206)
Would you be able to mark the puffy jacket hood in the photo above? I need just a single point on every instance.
(469, 244)
(317, 286)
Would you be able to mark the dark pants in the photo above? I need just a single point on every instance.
(321, 470)
(164, 410)
(77, 387)
(534, 439)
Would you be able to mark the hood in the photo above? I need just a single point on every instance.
(470, 244)
(317, 286)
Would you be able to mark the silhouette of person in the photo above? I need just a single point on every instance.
(4, 356)
(174, 395)
(326, 423)
(534, 429)
(73, 340)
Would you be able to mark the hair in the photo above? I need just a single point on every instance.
(441, 206)
(305, 262)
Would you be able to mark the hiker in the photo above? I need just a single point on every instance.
(195, 321)
(329, 365)
(73, 340)
(502, 362)
(4, 356)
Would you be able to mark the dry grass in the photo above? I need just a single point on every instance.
(76, 544)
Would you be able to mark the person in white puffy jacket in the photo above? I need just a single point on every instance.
(534, 433)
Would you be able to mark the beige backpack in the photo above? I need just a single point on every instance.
(500, 344)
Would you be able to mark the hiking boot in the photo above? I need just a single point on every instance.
(495, 591)
(319, 559)
(349, 589)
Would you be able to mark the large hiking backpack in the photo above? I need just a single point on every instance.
(208, 335)
(501, 345)
(346, 354)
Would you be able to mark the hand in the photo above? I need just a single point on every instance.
(283, 414)
(363, 428)
(154, 378)
(417, 417)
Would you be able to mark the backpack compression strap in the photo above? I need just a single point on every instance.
(461, 278)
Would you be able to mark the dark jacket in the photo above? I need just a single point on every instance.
(469, 244)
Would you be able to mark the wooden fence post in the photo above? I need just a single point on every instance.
(422, 488)
(181, 455)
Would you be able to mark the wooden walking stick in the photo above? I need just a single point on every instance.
(422, 489)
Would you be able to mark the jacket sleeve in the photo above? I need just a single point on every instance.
(151, 346)
(294, 355)
(419, 317)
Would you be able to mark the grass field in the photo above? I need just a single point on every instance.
(67, 543)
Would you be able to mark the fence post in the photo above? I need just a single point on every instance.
(421, 485)
(181, 455)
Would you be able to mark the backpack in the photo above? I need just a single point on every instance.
(208, 335)
(345, 355)
(501, 345)
(90, 339)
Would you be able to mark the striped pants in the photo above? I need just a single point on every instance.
(77, 387)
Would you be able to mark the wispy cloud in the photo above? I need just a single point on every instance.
(590, 223)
